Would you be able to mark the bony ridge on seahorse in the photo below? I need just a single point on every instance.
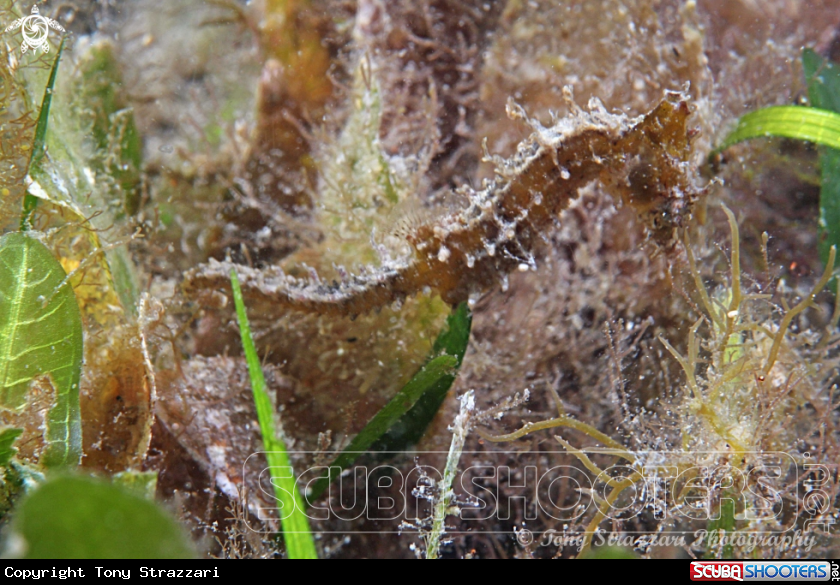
(643, 160)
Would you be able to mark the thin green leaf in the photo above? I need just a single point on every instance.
(38, 146)
(84, 518)
(829, 222)
(819, 124)
(7, 450)
(296, 531)
(428, 378)
(823, 78)
(721, 527)
(811, 124)
(453, 341)
(404, 420)
(40, 336)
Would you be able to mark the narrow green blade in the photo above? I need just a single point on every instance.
(38, 146)
(811, 124)
(404, 420)
(452, 341)
(819, 124)
(427, 379)
(823, 79)
(720, 527)
(296, 532)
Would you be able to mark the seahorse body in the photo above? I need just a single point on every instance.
(642, 160)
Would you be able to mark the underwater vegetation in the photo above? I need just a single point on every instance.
(381, 242)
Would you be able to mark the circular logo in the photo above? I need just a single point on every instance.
(35, 29)
(524, 537)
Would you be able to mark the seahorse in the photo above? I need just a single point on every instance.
(644, 161)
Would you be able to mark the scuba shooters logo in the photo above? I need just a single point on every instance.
(35, 30)
(764, 571)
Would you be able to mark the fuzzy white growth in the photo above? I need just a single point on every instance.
(149, 310)
(460, 429)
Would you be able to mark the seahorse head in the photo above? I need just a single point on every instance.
(657, 180)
